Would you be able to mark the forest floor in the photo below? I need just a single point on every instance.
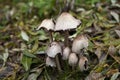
(22, 47)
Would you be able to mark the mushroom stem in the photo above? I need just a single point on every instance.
(66, 38)
(50, 36)
(58, 63)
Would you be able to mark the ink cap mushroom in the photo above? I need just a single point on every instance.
(73, 59)
(50, 62)
(49, 25)
(79, 43)
(66, 22)
(83, 63)
(53, 49)
(66, 53)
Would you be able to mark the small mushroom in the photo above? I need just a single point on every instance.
(52, 51)
(49, 25)
(83, 63)
(79, 43)
(66, 53)
(50, 62)
(66, 22)
(73, 59)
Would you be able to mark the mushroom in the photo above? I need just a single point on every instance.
(66, 53)
(79, 43)
(66, 22)
(49, 25)
(50, 62)
(52, 51)
(83, 63)
(73, 59)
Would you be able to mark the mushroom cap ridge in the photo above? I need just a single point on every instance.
(66, 22)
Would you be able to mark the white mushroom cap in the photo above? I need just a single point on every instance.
(47, 24)
(83, 62)
(79, 43)
(54, 49)
(66, 53)
(73, 59)
(66, 22)
(50, 62)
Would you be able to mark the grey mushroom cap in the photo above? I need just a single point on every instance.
(83, 63)
(73, 59)
(54, 49)
(66, 22)
(66, 53)
(79, 43)
(47, 24)
(50, 62)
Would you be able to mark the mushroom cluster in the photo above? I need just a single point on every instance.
(71, 52)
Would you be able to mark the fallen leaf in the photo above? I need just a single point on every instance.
(115, 75)
(35, 73)
(95, 76)
(35, 46)
(118, 32)
(26, 62)
(24, 36)
(113, 1)
(98, 52)
(26, 53)
(115, 15)
(111, 50)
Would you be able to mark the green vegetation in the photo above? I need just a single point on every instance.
(22, 47)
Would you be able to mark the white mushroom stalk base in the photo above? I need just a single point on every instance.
(58, 63)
